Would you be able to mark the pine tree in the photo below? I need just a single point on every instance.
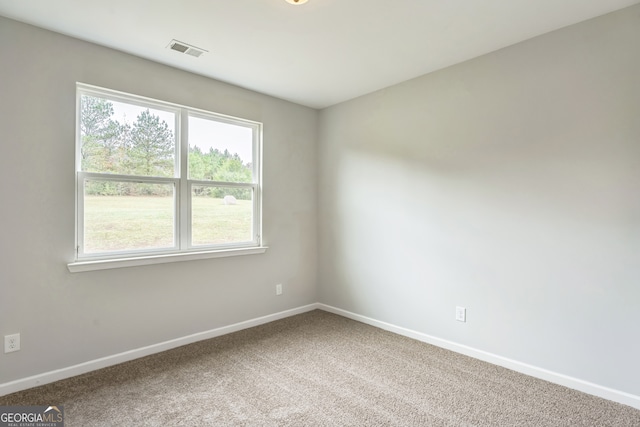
(101, 136)
(152, 147)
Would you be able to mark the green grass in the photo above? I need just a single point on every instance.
(117, 223)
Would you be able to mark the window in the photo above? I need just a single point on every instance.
(158, 179)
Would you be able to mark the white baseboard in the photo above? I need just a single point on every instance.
(82, 368)
(554, 377)
(514, 365)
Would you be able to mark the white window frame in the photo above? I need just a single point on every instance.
(183, 249)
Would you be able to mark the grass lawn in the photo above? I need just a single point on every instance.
(116, 223)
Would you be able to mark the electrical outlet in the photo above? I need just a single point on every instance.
(279, 289)
(11, 343)
(461, 314)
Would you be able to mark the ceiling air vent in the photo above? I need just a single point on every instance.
(185, 48)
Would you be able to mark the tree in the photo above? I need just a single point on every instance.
(151, 148)
(102, 137)
(197, 165)
(95, 113)
(233, 170)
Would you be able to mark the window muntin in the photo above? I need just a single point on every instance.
(154, 177)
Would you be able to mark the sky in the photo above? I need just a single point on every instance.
(203, 133)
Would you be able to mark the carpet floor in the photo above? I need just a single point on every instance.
(317, 369)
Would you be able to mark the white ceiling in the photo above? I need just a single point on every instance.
(317, 54)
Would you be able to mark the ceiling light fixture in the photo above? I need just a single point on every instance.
(296, 2)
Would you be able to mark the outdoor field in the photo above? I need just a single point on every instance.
(116, 223)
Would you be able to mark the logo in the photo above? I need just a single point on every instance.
(31, 416)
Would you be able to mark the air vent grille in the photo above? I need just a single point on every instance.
(179, 47)
(194, 52)
(182, 47)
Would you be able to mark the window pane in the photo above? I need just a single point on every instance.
(221, 215)
(123, 216)
(126, 139)
(220, 151)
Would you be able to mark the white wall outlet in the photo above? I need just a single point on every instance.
(11, 343)
(461, 314)
(279, 289)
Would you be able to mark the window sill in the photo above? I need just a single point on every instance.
(105, 264)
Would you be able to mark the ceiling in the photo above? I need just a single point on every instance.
(317, 54)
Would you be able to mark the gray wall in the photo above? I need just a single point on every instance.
(508, 184)
(69, 318)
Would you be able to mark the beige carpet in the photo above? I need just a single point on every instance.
(318, 369)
